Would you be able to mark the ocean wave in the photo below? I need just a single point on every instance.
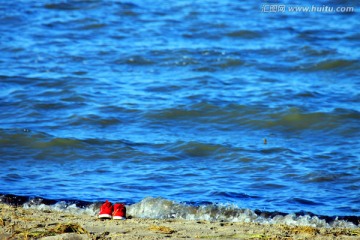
(37, 140)
(199, 59)
(160, 208)
(258, 117)
(71, 6)
(334, 65)
(245, 34)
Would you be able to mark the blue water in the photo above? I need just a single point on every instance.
(196, 102)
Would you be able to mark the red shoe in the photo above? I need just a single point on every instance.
(119, 211)
(106, 210)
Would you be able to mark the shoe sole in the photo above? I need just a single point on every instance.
(105, 216)
(119, 218)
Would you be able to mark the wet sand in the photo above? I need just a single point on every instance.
(20, 223)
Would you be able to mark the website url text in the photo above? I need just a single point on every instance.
(280, 8)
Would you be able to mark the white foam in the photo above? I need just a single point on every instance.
(159, 208)
(293, 220)
(162, 208)
(62, 206)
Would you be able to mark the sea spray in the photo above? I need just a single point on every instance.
(160, 208)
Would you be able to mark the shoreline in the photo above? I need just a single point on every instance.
(21, 223)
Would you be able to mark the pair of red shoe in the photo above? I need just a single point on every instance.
(108, 211)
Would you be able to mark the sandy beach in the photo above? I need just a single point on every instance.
(208, 119)
(20, 223)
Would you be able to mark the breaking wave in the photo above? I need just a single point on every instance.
(160, 208)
